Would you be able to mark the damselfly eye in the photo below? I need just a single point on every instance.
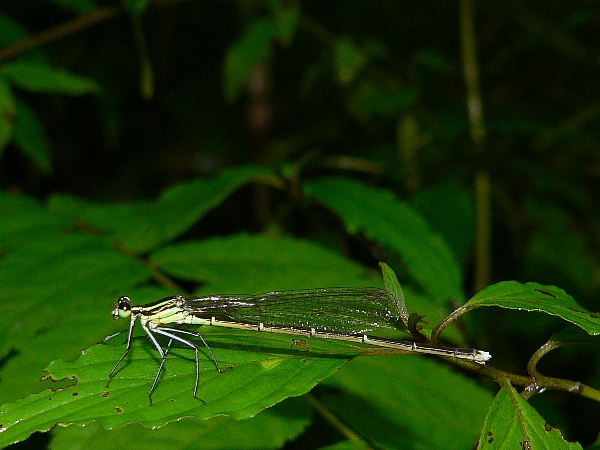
(123, 308)
(124, 304)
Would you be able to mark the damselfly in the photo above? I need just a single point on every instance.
(330, 313)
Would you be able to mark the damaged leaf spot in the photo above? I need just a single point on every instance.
(548, 293)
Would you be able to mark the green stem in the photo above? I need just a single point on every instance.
(475, 113)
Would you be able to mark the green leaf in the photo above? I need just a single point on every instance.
(348, 59)
(290, 263)
(11, 30)
(57, 290)
(141, 226)
(395, 291)
(511, 422)
(65, 286)
(347, 445)
(31, 139)
(66, 273)
(252, 382)
(457, 222)
(407, 402)
(8, 109)
(245, 54)
(386, 220)
(25, 220)
(434, 60)
(557, 251)
(536, 297)
(285, 14)
(270, 429)
(374, 99)
(37, 76)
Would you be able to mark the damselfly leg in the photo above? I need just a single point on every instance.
(171, 333)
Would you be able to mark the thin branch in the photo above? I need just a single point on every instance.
(60, 31)
(475, 112)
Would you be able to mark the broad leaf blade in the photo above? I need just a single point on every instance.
(270, 429)
(243, 57)
(290, 263)
(511, 422)
(457, 223)
(38, 76)
(408, 402)
(142, 226)
(65, 290)
(31, 139)
(252, 382)
(285, 16)
(348, 445)
(57, 289)
(25, 220)
(76, 269)
(349, 60)
(372, 98)
(536, 297)
(396, 225)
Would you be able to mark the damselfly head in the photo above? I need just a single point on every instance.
(122, 309)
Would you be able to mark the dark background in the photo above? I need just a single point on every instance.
(539, 66)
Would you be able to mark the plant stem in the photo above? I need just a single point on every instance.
(475, 113)
(60, 31)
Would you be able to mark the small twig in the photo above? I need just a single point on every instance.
(163, 279)
(156, 273)
(60, 31)
(536, 385)
(435, 334)
(540, 383)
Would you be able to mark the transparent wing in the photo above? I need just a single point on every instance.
(346, 310)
